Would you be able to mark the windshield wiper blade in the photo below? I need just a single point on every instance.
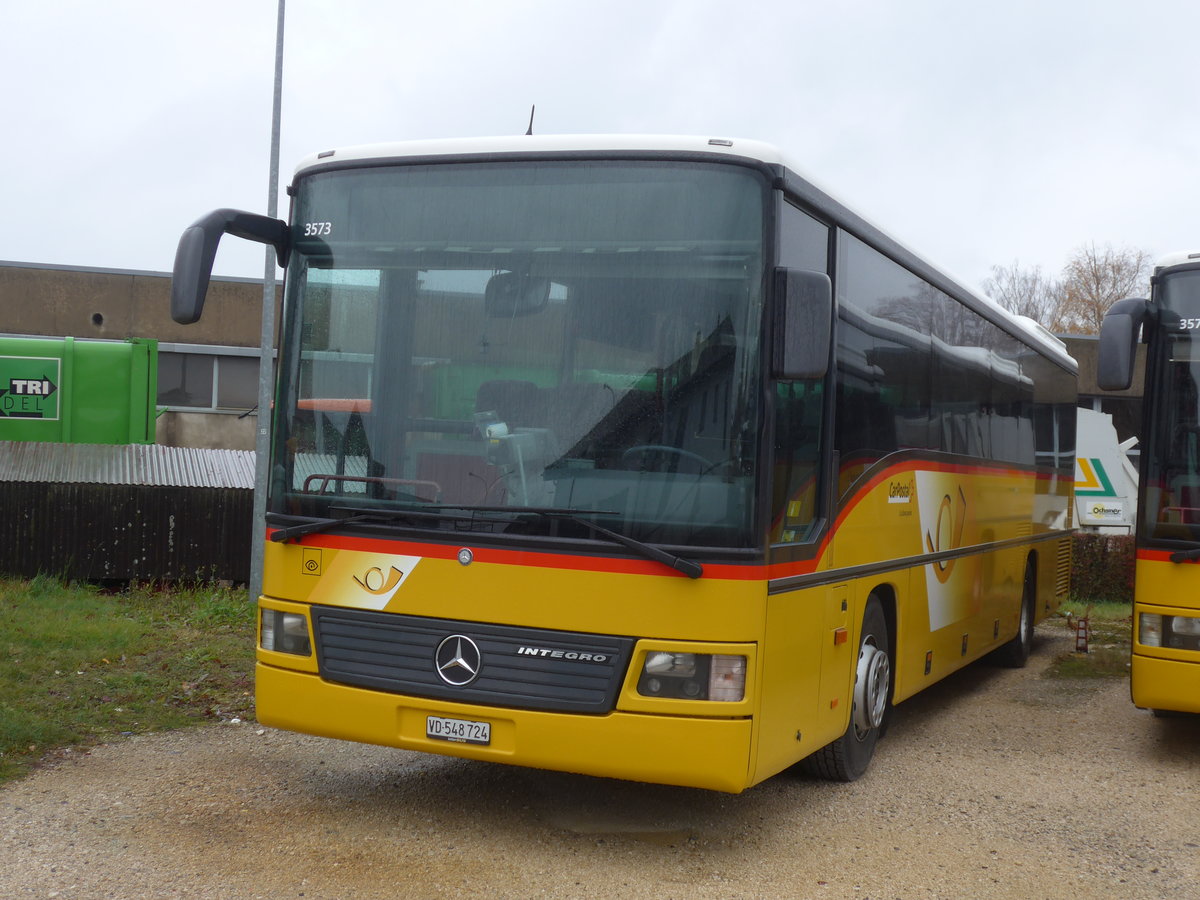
(295, 531)
(382, 515)
(688, 567)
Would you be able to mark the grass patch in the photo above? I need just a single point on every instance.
(1109, 639)
(80, 666)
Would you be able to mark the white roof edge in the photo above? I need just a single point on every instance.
(1043, 332)
(1177, 258)
(550, 143)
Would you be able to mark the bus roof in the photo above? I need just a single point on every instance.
(668, 145)
(550, 143)
(1178, 258)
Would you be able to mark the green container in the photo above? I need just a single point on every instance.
(63, 390)
(455, 387)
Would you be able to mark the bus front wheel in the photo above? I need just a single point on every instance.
(847, 758)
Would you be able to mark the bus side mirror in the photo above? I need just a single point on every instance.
(198, 248)
(803, 324)
(1118, 343)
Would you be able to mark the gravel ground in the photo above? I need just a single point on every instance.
(996, 783)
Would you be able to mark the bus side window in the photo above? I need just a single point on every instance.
(799, 405)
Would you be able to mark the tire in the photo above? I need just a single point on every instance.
(1015, 654)
(1173, 714)
(847, 758)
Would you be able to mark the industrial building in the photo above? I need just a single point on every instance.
(207, 372)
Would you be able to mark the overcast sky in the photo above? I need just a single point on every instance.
(978, 134)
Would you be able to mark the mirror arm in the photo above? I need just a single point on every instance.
(198, 249)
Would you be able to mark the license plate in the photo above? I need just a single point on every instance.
(461, 731)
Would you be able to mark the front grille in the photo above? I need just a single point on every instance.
(397, 653)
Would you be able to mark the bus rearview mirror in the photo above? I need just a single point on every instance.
(198, 248)
(1118, 343)
(803, 323)
(510, 294)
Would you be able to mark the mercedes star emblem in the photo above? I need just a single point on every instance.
(457, 660)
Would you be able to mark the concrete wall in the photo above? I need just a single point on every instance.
(1085, 349)
(210, 431)
(114, 304)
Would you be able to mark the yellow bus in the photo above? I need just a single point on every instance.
(1165, 665)
(641, 457)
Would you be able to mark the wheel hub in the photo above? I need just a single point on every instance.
(871, 686)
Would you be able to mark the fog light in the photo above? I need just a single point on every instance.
(1150, 630)
(285, 632)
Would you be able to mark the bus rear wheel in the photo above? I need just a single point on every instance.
(847, 758)
(1015, 654)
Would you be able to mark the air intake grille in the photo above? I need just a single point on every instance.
(518, 667)
(1062, 580)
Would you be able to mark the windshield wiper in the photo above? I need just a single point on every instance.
(688, 567)
(382, 515)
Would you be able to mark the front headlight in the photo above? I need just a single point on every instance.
(693, 676)
(1174, 632)
(1185, 625)
(285, 632)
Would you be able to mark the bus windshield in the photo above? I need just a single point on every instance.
(1171, 509)
(526, 336)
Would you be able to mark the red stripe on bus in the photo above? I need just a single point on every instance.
(546, 559)
(550, 559)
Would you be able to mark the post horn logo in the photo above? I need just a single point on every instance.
(947, 535)
(374, 581)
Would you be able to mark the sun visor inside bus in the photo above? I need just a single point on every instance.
(803, 318)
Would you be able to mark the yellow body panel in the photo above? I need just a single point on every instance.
(524, 589)
(957, 609)
(708, 753)
(801, 644)
(1162, 677)
(1167, 684)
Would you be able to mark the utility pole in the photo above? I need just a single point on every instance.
(266, 361)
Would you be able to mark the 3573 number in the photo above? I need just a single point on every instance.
(318, 229)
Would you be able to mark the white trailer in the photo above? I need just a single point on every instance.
(1105, 480)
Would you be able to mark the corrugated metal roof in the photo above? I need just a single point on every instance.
(146, 464)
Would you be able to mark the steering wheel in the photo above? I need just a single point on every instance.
(667, 450)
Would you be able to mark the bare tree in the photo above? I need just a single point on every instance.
(1026, 292)
(1095, 278)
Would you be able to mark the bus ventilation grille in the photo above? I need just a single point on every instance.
(525, 668)
(1062, 574)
